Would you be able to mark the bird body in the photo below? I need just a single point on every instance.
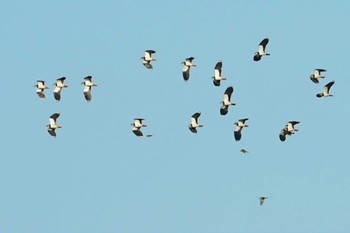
(217, 78)
(194, 122)
(326, 89)
(261, 50)
(59, 85)
(186, 68)
(288, 129)
(317, 75)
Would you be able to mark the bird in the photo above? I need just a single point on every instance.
(52, 126)
(244, 151)
(227, 101)
(262, 199)
(217, 74)
(59, 85)
(136, 127)
(261, 50)
(40, 87)
(146, 60)
(326, 89)
(186, 68)
(194, 122)
(288, 129)
(87, 88)
(240, 124)
(317, 74)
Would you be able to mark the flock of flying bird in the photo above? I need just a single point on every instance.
(289, 129)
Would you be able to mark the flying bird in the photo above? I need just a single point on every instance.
(244, 151)
(240, 124)
(87, 88)
(227, 101)
(186, 68)
(194, 122)
(217, 74)
(261, 50)
(136, 127)
(52, 126)
(58, 87)
(262, 199)
(146, 60)
(288, 129)
(326, 89)
(317, 74)
(40, 87)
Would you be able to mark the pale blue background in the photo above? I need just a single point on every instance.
(96, 176)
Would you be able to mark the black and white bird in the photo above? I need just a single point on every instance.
(194, 122)
(227, 101)
(244, 151)
(40, 88)
(217, 78)
(240, 124)
(261, 50)
(186, 68)
(288, 129)
(326, 89)
(262, 199)
(146, 60)
(52, 126)
(316, 75)
(137, 125)
(87, 88)
(59, 85)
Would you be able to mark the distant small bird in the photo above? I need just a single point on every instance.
(186, 68)
(244, 151)
(194, 122)
(87, 88)
(261, 50)
(240, 124)
(52, 126)
(288, 129)
(317, 74)
(146, 60)
(136, 127)
(217, 78)
(227, 101)
(262, 199)
(326, 89)
(58, 87)
(40, 87)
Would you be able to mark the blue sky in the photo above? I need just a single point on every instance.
(96, 176)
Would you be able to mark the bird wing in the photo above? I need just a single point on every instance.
(196, 116)
(137, 132)
(87, 89)
(57, 89)
(243, 120)
(228, 93)
(88, 78)
(216, 82)
(237, 133)
(147, 65)
(40, 93)
(217, 69)
(257, 57)
(51, 131)
(315, 80)
(190, 59)
(57, 96)
(317, 72)
(192, 129)
(327, 87)
(55, 116)
(87, 96)
(186, 74)
(224, 110)
(282, 136)
(148, 54)
(262, 45)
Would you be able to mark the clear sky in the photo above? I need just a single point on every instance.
(97, 176)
